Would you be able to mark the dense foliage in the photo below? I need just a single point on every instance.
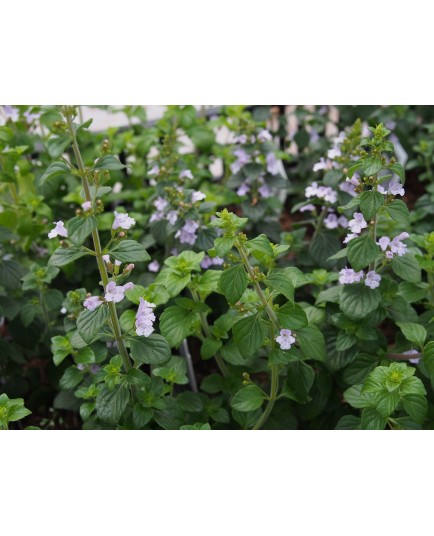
(262, 267)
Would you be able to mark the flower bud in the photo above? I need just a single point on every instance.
(122, 234)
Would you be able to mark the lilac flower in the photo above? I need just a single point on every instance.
(59, 230)
(343, 222)
(264, 135)
(322, 192)
(30, 117)
(312, 190)
(154, 266)
(308, 207)
(160, 204)
(243, 189)
(187, 235)
(349, 237)
(331, 222)
(383, 242)
(347, 276)
(172, 217)
(157, 216)
(395, 245)
(372, 279)
(123, 221)
(242, 159)
(118, 263)
(347, 188)
(272, 164)
(241, 139)
(357, 223)
(117, 188)
(92, 302)
(323, 164)
(116, 293)
(334, 152)
(211, 261)
(197, 196)
(313, 137)
(354, 181)
(106, 258)
(186, 174)
(415, 360)
(145, 318)
(11, 112)
(154, 171)
(264, 191)
(285, 339)
(87, 205)
(339, 139)
(395, 188)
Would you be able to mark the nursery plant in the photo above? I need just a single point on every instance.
(143, 289)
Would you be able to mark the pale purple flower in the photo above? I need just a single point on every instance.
(272, 164)
(328, 194)
(285, 339)
(354, 181)
(157, 216)
(160, 204)
(347, 188)
(243, 158)
(30, 117)
(241, 139)
(339, 139)
(265, 191)
(59, 230)
(217, 261)
(145, 318)
(116, 293)
(197, 196)
(87, 205)
(383, 242)
(313, 136)
(331, 222)
(347, 276)
(357, 223)
(415, 360)
(243, 189)
(106, 258)
(154, 171)
(343, 221)
(398, 247)
(187, 235)
(349, 237)
(154, 266)
(63, 311)
(92, 302)
(264, 135)
(334, 152)
(117, 188)
(323, 164)
(312, 190)
(395, 188)
(172, 216)
(206, 262)
(11, 112)
(123, 221)
(372, 279)
(117, 263)
(308, 207)
(186, 174)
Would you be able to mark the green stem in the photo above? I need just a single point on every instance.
(318, 226)
(206, 329)
(273, 317)
(116, 327)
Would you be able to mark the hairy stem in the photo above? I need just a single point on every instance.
(116, 327)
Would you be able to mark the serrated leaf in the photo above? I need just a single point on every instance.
(56, 169)
(371, 165)
(362, 251)
(89, 323)
(233, 282)
(153, 350)
(79, 228)
(299, 381)
(249, 334)
(413, 332)
(292, 316)
(110, 405)
(64, 256)
(57, 144)
(358, 300)
(129, 251)
(370, 203)
(249, 398)
(278, 280)
(109, 162)
(407, 268)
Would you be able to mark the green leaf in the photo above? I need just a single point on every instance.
(312, 343)
(110, 405)
(191, 402)
(357, 399)
(416, 406)
(89, 323)
(398, 211)
(292, 316)
(57, 144)
(70, 378)
(233, 283)
(358, 300)
(175, 282)
(348, 422)
(153, 350)
(223, 245)
(56, 169)
(386, 402)
(60, 347)
(141, 416)
(79, 228)
(17, 410)
(176, 324)
(108, 162)
(196, 426)
(370, 203)
(299, 381)
(209, 348)
(407, 268)
(358, 370)
(249, 398)
(371, 165)
(249, 334)
(208, 282)
(175, 371)
(11, 273)
(278, 280)
(362, 251)
(399, 170)
(130, 251)
(413, 332)
(260, 245)
(64, 256)
(372, 420)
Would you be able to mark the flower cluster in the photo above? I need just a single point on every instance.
(243, 158)
(145, 318)
(355, 225)
(123, 221)
(285, 339)
(246, 186)
(187, 233)
(211, 261)
(321, 192)
(332, 221)
(394, 246)
(394, 188)
(347, 276)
